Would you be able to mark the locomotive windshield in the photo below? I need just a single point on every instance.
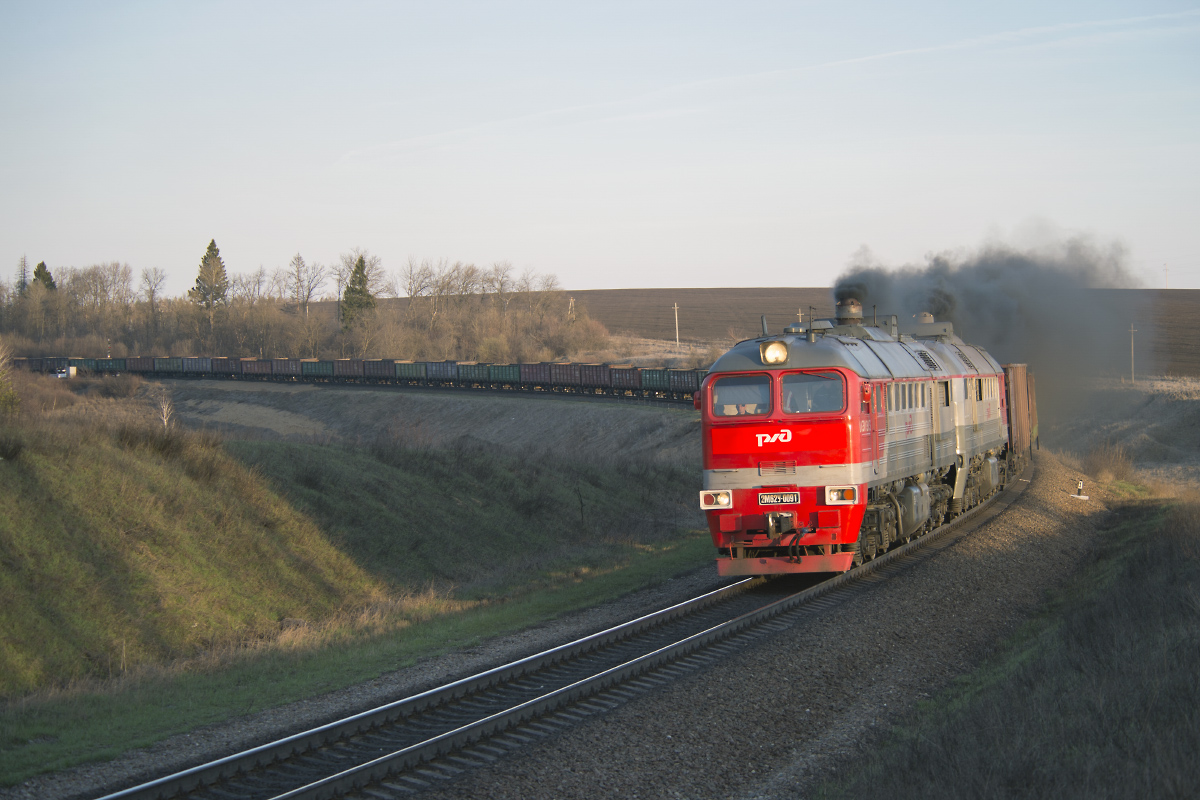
(813, 393)
(741, 395)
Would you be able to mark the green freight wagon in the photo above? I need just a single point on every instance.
(193, 365)
(312, 368)
(504, 373)
(656, 380)
(410, 370)
(472, 372)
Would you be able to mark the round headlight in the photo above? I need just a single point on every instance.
(774, 352)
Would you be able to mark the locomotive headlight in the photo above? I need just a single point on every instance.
(773, 352)
(715, 500)
(841, 495)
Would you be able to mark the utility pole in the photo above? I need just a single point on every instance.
(677, 324)
(1132, 331)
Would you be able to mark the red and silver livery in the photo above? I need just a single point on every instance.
(825, 446)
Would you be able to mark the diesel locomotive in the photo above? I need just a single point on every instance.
(828, 444)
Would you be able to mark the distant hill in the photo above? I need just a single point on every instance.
(704, 314)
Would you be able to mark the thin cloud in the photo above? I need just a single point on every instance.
(1094, 30)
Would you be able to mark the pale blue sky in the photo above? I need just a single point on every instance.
(616, 145)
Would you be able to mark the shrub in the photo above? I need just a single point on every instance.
(11, 445)
(9, 401)
(1108, 461)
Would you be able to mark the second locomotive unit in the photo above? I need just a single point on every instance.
(826, 445)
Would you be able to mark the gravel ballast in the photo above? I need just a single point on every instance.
(763, 723)
(768, 721)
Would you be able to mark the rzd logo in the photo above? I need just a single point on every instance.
(784, 435)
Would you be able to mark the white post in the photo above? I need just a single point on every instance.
(677, 324)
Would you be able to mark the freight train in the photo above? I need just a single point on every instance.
(619, 380)
(826, 445)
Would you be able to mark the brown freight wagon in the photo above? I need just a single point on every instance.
(1019, 421)
(535, 374)
(564, 374)
(347, 367)
(378, 368)
(139, 364)
(252, 366)
(595, 376)
(625, 376)
(226, 366)
(285, 366)
(1033, 421)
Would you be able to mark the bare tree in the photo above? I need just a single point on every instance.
(499, 281)
(250, 288)
(152, 284)
(304, 281)
(164, 408)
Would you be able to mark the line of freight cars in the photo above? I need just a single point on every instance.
(599, 379)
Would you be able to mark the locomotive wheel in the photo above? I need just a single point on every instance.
(869, 548)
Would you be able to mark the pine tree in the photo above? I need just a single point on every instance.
(212, 284)
(41, 273)
(357, 297)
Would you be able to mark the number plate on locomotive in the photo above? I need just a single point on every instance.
(775, 498)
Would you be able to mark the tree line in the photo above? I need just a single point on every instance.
(428, 310)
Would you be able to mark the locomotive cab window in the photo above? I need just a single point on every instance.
(813, 393)
(741, 396)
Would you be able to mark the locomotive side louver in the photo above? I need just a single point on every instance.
(969, 364)
(777, 468)
(928, 359)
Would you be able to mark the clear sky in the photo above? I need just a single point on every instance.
(614, 144)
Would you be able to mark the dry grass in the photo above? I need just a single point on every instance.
(1096, 698)
(1108, 462)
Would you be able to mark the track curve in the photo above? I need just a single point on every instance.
(404, 746)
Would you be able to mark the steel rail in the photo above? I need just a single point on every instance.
(190, 779)
(383, 767)
(380, 768)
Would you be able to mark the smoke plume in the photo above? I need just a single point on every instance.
(1050, 307)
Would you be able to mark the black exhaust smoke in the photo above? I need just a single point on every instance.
(1050, 307)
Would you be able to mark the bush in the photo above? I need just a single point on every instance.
(1107, 462)
(11, 445)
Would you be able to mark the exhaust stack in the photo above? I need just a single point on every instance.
(849, 312)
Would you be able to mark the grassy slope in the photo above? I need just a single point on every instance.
(46, 735)
(124, 549)
(479, 520)
(1097, 697)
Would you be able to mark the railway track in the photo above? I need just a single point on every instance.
(403, 747)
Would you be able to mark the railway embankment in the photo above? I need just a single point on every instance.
(163, 579)
(1011, 656)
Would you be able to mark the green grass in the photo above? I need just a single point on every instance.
(55, 733)
(1097, 697)
(127, 547)
(476, 520)
(157, 581)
